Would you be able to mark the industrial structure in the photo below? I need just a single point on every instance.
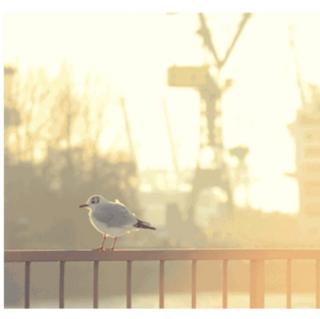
(306, 133)
(206, 79)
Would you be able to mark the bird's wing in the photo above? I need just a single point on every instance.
(118, 202)
(114, 215)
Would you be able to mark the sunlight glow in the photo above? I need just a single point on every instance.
(130, 53)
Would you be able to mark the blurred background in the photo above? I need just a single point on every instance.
(206, 125)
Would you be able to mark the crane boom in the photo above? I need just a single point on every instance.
(296, 62)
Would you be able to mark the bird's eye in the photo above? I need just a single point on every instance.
(95, 200)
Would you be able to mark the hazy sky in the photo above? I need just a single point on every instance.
(131, 54)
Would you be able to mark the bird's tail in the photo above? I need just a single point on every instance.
(142, 224)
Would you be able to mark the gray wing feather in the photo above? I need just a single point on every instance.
(114, 215)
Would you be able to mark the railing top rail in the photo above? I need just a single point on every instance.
(159, 254)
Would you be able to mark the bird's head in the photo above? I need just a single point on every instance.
(93, 201)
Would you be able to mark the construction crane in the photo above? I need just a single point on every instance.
(309, 93)
(131, 178)
(211, 90)
(174, 157)
(241, 177)
(297, 66)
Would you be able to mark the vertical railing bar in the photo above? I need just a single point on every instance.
(95, 283)
(129, 280)
(225, 283)
(288, 283)
(27, 284)
(257, 283)
(194, 284)
(317, 283)
(61, 284)
(161, 284)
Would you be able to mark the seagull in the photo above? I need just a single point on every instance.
(112, 219)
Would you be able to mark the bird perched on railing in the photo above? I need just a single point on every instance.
(112, 219)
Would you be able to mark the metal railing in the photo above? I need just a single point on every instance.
(256, 258)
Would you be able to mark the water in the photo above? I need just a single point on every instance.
(180, 300)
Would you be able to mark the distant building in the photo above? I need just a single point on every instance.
(306, 132)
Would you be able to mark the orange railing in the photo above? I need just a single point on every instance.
(256, 257)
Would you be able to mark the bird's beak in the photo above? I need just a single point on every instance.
(83, 205)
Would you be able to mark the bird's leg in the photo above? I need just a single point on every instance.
(101, 247)
(114, 242)
(103, 240)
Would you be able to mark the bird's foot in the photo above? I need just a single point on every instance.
(101, 249)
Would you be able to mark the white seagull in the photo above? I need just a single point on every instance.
(112, 219)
